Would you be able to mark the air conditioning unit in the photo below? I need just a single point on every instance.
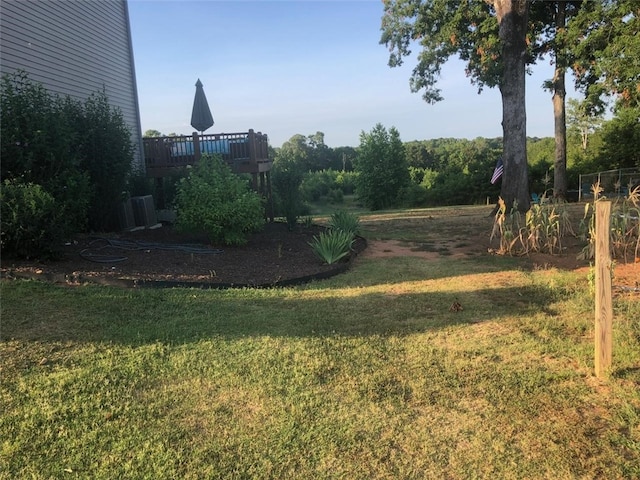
(144, 211)
(126, 220)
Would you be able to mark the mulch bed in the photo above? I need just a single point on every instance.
(162, 257)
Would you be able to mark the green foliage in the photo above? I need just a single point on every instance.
(152, 133)
(605, 48)
(413, 196)
(80, 153)
(39, 137)
(332, 245)
(345, 221)
(31, 222)
(621, 137)
(443, 28)
(328, 183)
(138, 184)
(108, 157)
(214, 200)
(542, 230)
(624, 228)
(382, 168)
(316, 185)
(335, 244)
(286, 178)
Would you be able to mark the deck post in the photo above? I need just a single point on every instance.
(196, 148)
(270, 209)
(251, 140)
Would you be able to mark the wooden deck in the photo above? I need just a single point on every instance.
(246, 152)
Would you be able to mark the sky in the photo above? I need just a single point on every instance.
(300, 67)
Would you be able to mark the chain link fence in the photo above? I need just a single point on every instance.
(612, 182)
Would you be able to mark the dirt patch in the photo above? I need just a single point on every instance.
(278, 256)
(165, 257)
(626, 276)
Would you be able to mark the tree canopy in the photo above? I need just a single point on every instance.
(491, 36)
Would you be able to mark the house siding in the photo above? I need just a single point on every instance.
(74, 48)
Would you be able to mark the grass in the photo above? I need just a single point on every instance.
(366, 375)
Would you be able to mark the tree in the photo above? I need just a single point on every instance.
(152, 134)
(320, 153)
(621, 137)
(382, 168)
(605, 41)
(548, 30)
(580, 122)
(491, 37)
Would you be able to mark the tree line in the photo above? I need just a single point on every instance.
(385, 172)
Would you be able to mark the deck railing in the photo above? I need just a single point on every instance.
(246, 152)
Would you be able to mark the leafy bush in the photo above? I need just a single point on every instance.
(412, 196)
(79, 153)
(345, 221)
(335, 196)
(39, 138)
(286, 177)
(332, 245)
(335, 243)
(31, 225)
(214, 200)
(107, 156)
(346, 181)
(382, 168)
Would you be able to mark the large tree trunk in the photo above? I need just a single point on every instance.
(559, 113)
(512, 17)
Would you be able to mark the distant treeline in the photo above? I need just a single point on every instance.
(448, 171)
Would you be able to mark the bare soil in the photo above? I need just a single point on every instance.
(165, 257)
(272, 257)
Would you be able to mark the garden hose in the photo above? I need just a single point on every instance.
(99, 243)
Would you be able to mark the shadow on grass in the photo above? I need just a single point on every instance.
(42, 312)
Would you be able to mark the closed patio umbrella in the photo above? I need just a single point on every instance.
(201, 117)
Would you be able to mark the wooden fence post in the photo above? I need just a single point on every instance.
(604, 309)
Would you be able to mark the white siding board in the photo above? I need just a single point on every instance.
(73, 48)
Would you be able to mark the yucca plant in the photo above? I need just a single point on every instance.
(345, 221)
(332, 245)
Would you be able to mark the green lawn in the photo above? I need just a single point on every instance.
(368, 375)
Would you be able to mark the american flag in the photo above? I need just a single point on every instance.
(497, 173)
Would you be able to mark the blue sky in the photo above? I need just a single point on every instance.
(299, 67)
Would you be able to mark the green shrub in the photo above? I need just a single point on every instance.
(345, 222)
(382, 168)
(107, 157)
(335, 196)
(346, 181)
(31, 225)
(412, 196)
(332, 245)
(79, 153)
(286, 177)
(214, 200)
(39, 144)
